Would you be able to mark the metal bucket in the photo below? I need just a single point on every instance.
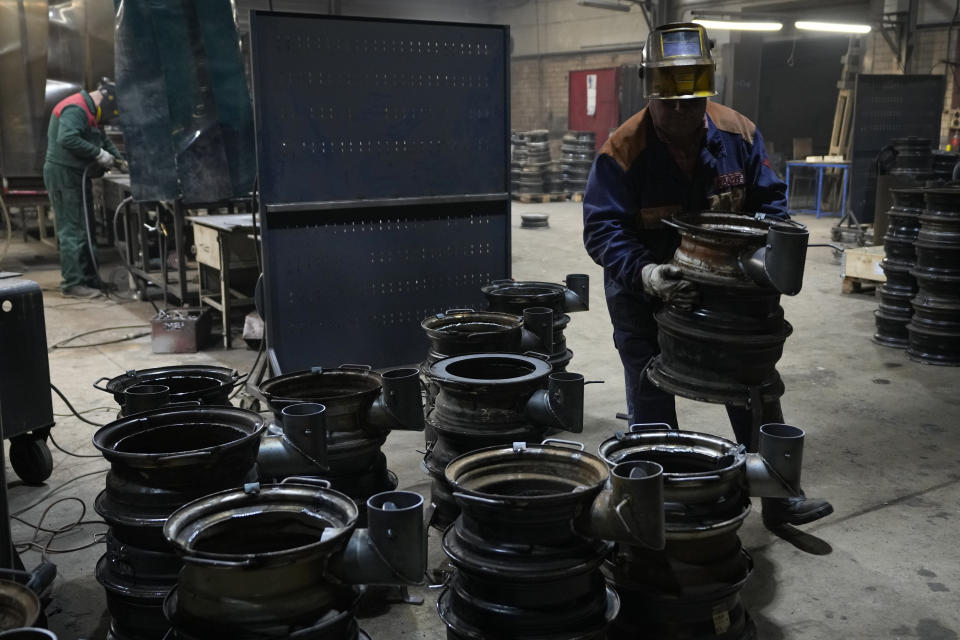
(486, 400)
(691, 588)
(726, 349)
(521, 568)
(159, 461)
(205, 384)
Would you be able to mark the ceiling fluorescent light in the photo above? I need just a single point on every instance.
(739, 25)
(832, 27)
(600, 4)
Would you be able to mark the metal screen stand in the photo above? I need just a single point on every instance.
(383, 160)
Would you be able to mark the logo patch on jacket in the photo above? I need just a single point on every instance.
(727, 180)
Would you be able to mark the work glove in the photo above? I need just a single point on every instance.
(665, 281)
(105, 159)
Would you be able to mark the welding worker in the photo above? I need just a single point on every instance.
(76, 142)
(680, 154)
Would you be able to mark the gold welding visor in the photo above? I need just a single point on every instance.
(680, 81)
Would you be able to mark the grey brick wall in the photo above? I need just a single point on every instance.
(539, 94)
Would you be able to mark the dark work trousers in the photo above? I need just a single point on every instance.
(646, 403)
(64, 187)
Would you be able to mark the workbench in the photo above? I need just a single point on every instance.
(146, 234)
(820, 166)
(224, 243)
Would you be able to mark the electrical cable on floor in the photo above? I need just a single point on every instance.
(45, 548)
(256, 361)
(64, 344)
(57, 489)
(70, 406)
(6, 218)
(67, 415)
(71, 453)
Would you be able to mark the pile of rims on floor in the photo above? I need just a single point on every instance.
(182, 457)
(530, 166)
(577, 153)
(639, 542)
(900, 258)
(934, 329)
(499, 376)
(920, 300)
(224, 523)
(690, 586)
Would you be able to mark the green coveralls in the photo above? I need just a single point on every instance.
(72, 144)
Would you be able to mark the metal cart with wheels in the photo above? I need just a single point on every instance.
(26, 409)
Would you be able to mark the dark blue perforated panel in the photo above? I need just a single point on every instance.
(349, 288)
(350, 114)
(363, 109)
(888, 107)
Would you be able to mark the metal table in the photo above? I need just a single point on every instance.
(820, 166)
(224, 244)
(143, 242)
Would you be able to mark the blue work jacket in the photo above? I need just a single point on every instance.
(635, 183)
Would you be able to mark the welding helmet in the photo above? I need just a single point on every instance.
(676, 63)
(107, 110)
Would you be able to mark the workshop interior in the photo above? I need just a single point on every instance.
(479, 319)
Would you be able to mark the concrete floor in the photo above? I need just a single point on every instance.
(882, 445)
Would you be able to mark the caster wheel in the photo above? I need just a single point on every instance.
(30, 458)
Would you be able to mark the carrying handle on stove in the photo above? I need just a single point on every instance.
(213, 562)
(572, 443)
(199, 455)
(320, 482)
(681, 478)
(537, 355)
(104, 388)
(478, 499)
(640, 427)
(354, 367)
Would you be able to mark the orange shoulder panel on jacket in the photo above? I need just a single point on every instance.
(628, 141)
(726, 119)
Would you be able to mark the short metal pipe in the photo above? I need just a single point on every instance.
(538, 325)
(400, 405)
(630, 508)
(560, 405)
(775, 470)
(305, 425)
(577, 295)
(780, 263)
(277, 459)
(392, 550)
(145, 397)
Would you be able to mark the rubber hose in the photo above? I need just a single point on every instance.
(86, 223)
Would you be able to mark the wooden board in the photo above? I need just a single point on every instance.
(863, 263)
(857, 285)
(576, 197)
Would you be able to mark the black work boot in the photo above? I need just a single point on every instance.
(780, 511)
